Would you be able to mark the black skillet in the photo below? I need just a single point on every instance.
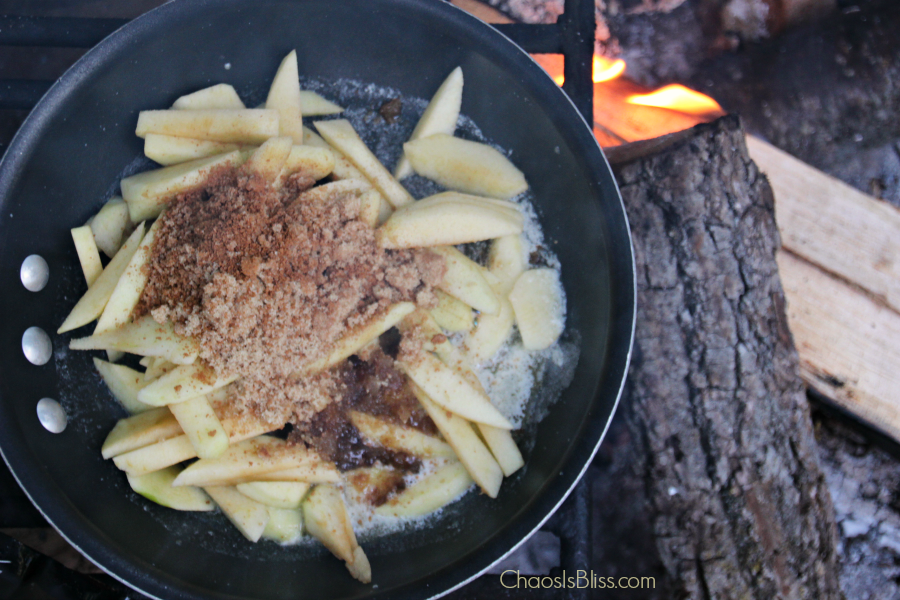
(66, 159)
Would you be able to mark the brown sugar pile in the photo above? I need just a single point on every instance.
(268, 279)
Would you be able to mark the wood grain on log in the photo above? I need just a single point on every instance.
(737, 503)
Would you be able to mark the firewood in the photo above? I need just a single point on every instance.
(724, 450)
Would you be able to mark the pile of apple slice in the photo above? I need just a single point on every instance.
(179, 407)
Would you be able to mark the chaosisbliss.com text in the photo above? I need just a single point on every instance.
(581, 580)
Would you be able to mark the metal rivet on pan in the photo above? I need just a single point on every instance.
(34, 273)
(36, 346)
(51, 415)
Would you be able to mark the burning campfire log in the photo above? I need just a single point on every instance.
(723, 447)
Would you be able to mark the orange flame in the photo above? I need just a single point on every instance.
(607, 69)
(677, 97)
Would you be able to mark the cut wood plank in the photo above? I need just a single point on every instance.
(830, 224)
(849, 345)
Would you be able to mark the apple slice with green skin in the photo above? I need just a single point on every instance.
(88, 255)
(249, 516)
(268, 160)
(314, 105)
(91, 305)
(277, 494)
(241, 126)
(216, 96)
(200, 424)
(341, 136)
(430, 493)
(110, 226)
(285, 525)
(148, 193)
(539, 305)
(452, 314)
(472, 452)
(284, 97)
(140, 430)
(129, 287)
(124, 383)
(170, 150)
(465, 280)
(466, 166)
(326, 518)
(448, 222)
(396, 437)
(183, 383)
(451, 390)
(144, 337)
(440, 116)
(157, 487)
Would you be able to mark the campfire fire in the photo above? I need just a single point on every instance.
(627, 112)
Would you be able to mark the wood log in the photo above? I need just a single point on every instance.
(723, 444)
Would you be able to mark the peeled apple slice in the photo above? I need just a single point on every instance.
(314, 105)
(248, 516)
(447, 223)
(440, 116)
(465, 280)
(170, 150)
(110, 226)
(430, 493)
(326, 519)
(467, 166)
(216, 96)
(268, 160)
(243, 126)
(285, 525)
(284, 97)
(278, 494)
(539, 305)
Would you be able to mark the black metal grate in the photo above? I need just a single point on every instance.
(28, 573)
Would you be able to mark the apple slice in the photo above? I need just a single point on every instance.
(242, 126)
(216, 96)
(440, 116)
(157, 368)
(326, 519)
(503, 447)
(285, 526)
(450, 221)
(170, 150)
(91, 305)
(313, 162)
(429, 493)
(466, 166)
(110, 226)
(200, 424)
(360, 336)
(124, 383)
(264, 454)
(248, 516)
(140, 430)
(148, 193)
(268, 160)
(278, 494)
(343, 168)
(314, 105)
(538, 301)
(472, 452)
(341, 135)
(452, 314)
(88, 255)
(129, 287)
(154, 457)
(450, 389)
(284, 97)
(491, 331)
(396, 437)
(144, 337)
(506, 260)
(157, 487)
(465, 280)
(183, 383)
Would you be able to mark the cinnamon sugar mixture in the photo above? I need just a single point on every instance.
(268, 279)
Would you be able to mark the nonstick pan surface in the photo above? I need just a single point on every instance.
(66, 160)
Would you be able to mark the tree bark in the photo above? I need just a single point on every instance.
(722, 440)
